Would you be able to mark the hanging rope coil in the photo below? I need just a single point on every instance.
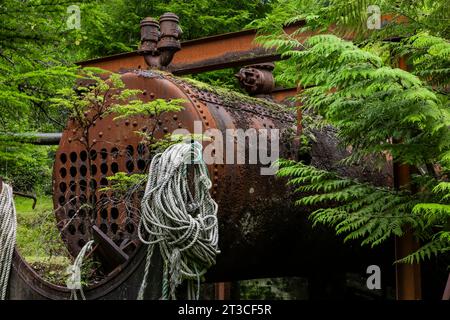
(183, 223)
(8, 229)
(74, 280)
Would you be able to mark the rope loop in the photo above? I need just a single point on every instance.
(183, 222)
(8, 230)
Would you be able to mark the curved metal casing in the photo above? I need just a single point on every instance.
(262, 234)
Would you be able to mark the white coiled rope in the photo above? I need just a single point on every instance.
(74, 280)
(182, 223)
(8, 228)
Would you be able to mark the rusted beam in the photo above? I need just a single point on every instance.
(222, 290)
(227, 50)
(108, 252)
(234, 49)
(408, 279)
(282, 94)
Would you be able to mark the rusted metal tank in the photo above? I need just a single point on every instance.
(261, 233)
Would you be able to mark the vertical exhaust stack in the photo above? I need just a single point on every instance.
(149, 42)
(160, 40)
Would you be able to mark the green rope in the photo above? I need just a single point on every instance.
(182, 223)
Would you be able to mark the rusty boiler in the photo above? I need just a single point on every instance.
(262, 234)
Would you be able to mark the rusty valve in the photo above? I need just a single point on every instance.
(257, 79)
(159, 47)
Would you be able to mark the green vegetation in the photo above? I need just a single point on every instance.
(378, 109)
(39, 241)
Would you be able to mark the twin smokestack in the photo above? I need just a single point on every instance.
(160, 40)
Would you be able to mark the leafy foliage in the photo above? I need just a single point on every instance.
(378, 109)
(359, 210)
(139, 108)
(353, 90)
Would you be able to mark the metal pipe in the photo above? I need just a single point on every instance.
(46, 139)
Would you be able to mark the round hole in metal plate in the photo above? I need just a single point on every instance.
(83, 185)
(82, 199)
(83, 155)
(129, 165)
(63, 157)
(104, 228)
(72, 229)
(93, 154)
(114, 213)
(71, 213)
(81, 228)
(104, 153)
(141, 149)
(104, 213)
(63, 187)
(130, 151)
(73, 171)
(114, 152)
(114, 167)
(141, 164)
(81, 243)
(72, 200)
(83, 170)
(103, 182)
(63, 172)
(73, 156)
(104, 168)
